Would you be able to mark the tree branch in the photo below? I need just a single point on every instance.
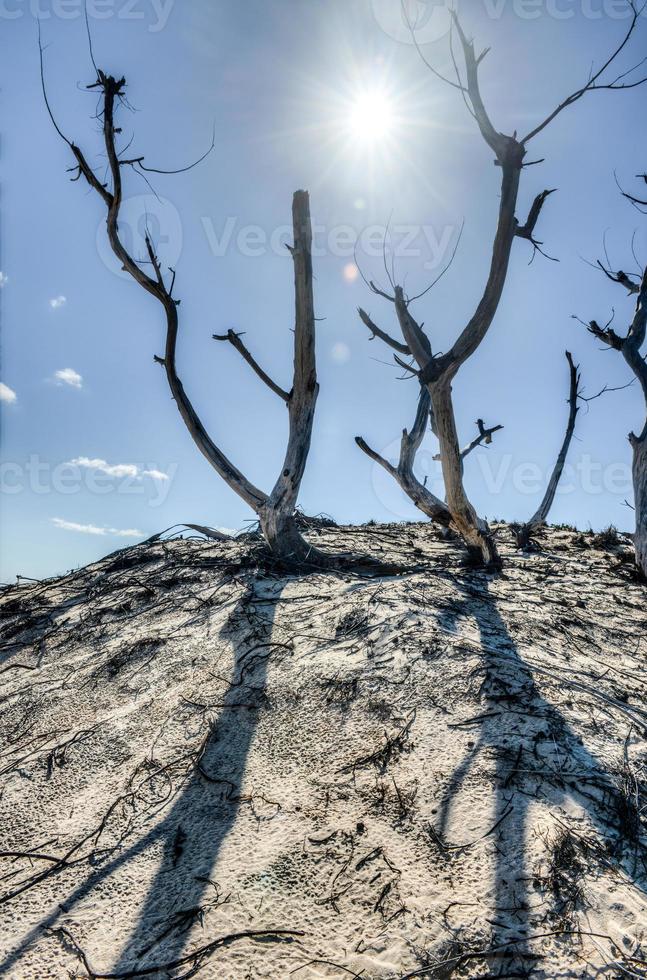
(416, 339)
(524, 533)
(495, 140)
(478, 326)
(403, 474)
(527, 231)
(484, 438)
(592, 84)
(631, 349)
(235, 341)
(377, 332)
(621, 278)
(113, 89)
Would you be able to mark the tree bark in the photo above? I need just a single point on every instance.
(639, 469)
(436, 509)
(631, 349)
(277, 514)
(474, 531)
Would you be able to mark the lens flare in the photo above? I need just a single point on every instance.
(371, 117)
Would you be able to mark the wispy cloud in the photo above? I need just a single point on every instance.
(93, 529)
(117, 470)
(155, 474)
(7, 394)
(57, 302)
(68, 376)
(4, 279)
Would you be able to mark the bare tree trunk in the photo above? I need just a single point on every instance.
(640, 499)
(524, 532)
(474, 531)
(630, 347)
(403, 473)
(277, 515)
(436, 509)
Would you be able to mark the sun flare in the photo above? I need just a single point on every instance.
(371, 117)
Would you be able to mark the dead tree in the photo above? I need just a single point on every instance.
(431, 505)
(524, 532)
(630, 346)
(438, 371)
(276, 511)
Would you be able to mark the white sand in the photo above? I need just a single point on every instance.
(387, 768)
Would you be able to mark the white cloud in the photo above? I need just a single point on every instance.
(93, 529)
(155, 474)
(4, 279)
(68, 376)
(7, 394)
(57, 302)
(110, 469)
(117, 470)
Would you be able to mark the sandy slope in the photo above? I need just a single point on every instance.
(435, 774)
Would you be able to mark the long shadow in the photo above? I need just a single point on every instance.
(524, 736)
(193, 831)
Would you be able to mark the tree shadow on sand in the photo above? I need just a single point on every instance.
(191, 834)
(194, 829)
(533, 755)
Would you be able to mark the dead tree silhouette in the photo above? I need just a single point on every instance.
(631, 345)
(520, 727)
(276, 510)
(438, 371)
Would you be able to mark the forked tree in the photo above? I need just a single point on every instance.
(403, 473)
(437, 509)
(438, 371)
(276, 510)
(630, 346)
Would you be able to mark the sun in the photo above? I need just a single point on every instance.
(371, 117)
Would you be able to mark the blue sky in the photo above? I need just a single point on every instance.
(277, 81)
